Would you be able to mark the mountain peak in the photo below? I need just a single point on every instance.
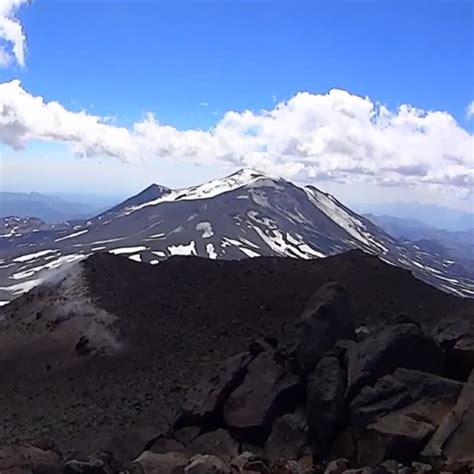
(250, 174)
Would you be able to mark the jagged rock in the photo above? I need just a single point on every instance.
(284, 466)
(456, 336)
(79, 467)
(327, 318)
(166, 444)
(248, 462)
(154, 463)
(217, 443)
(390, 466)
(207, 464)
(420, 467)
(393, 418)
(24, 459)
(204, 402)
(397, 436)
(187, 434)
(268, 390)
(344, 445)
(126, 446)
(325, 406)
(454, 438)
(288, 438)
(399, 346)
(338, 466)
(450, 330)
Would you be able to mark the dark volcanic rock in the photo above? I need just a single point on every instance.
(207, 464)
(205, 402)
(267, 391)
(126, 446)
(218, 443)
(394, 418)
(288, 438)
(454, 437)
(399, 346)
(24, 459)
(456, 336)
(175, 322)
(397, 436)
(168, 463)
(325, 406)
(327, 318)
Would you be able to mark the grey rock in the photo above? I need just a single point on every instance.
(325, 406)
(207, 464)
(268, 390)
(154, 463)
(288, 438)
(399, 346)
(327, 318)
(217, 443)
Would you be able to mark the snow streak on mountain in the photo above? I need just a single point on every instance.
(247, 214)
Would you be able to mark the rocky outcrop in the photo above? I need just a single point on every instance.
(268, 390)
(25, 459)
(387, 403)
(326, 410)
(397, 346)
(204, 403)
(327, 318)
(453, 440)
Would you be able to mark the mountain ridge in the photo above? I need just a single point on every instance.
(245, 214)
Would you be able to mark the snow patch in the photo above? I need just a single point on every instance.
(205, 228)
(211, 251)
(189, 249)
(249, 253)
(32, 256)
(123, 250)
(75, 234)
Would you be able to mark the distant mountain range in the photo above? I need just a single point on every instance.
(246, 214)
(459, 244)
(50, 209)
(437, 217)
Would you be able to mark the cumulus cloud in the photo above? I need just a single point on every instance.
(12, 37)
(334, 136)
(470, 110)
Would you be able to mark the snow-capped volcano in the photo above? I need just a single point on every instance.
(246, 214)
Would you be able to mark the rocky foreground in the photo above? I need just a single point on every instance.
(326, 396)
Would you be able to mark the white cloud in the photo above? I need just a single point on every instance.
(5, 58)
(470, 110)
(334, 136)
(11, 33)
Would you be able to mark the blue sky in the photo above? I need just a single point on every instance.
(190, 62)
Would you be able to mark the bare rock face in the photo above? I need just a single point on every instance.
(399, 346)
(267, 391)
(325, 406)
(395, 418)
(154, 463)
(326, 319)
(24, 459)
(204, 403)
(207, 464)
(453, 440)
(289, 438)
(456, 336)
(217, 443)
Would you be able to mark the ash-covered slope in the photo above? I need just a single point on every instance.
(113, 344)
(247, 214)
